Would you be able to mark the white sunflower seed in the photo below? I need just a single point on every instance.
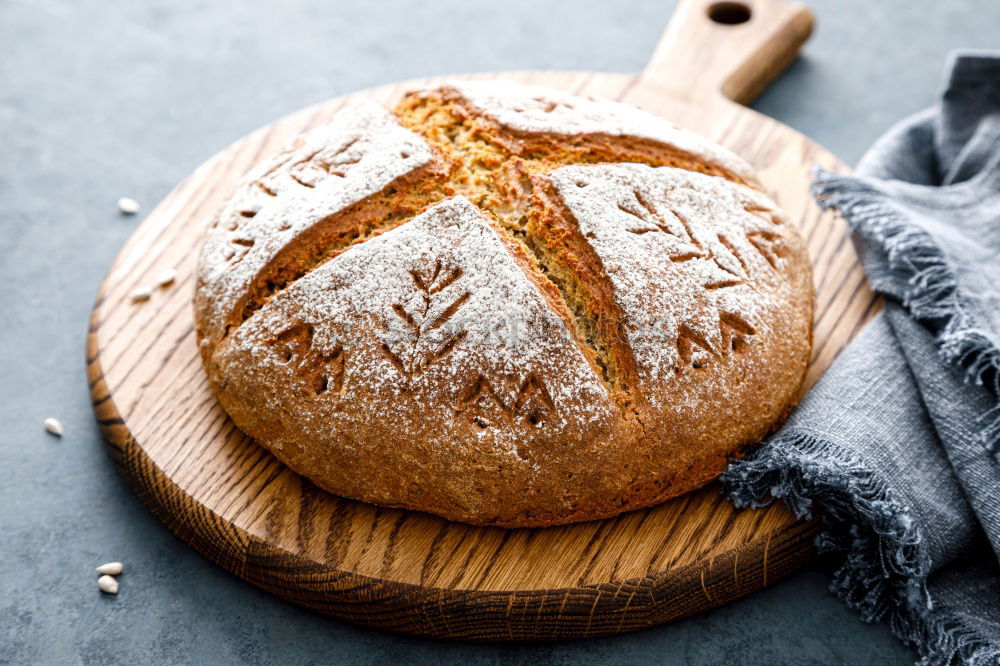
(128, 206)
(108, 584)
(141, 294)
(54, 426)
(167, 277)
(111, 568)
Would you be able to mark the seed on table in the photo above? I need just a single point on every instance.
(128, 205)
(108, 584)
(54, 427)
(167, 277)
(111, 568)
(141, 294)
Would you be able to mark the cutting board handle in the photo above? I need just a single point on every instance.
(733, 49)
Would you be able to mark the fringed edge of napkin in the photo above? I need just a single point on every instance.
(931, 295)
(883, 571)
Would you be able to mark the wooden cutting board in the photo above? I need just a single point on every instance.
(413, 572)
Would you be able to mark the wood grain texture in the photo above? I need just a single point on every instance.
(412, 572)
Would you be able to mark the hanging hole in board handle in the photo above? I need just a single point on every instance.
(728, 49)
(729, 13)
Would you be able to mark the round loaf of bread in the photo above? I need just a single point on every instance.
(504, 305)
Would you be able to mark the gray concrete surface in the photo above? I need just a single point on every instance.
(101, 99)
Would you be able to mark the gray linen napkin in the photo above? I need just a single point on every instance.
(897, 446)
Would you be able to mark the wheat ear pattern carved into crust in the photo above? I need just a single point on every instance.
(694, 350)
(420, 324)
(238, 248)
(689, 246)
(308, 171)
(420, 337)
(733, 265)
(323, 371)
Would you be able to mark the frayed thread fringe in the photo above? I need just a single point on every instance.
(931, 293)
(883, 569)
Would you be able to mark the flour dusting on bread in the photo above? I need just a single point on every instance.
(504, 305)
(414, 314)
(678, 247)
(358, 153)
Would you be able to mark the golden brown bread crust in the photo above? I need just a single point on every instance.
(524, 327)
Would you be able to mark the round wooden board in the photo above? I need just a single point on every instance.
(413, 572)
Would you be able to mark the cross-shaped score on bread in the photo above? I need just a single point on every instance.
(504, 305)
